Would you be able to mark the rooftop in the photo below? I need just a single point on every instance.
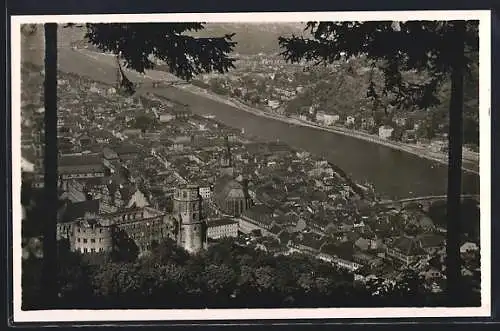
(126, 149)
(260, 213)
(221, 222)
(408, 246)
(73, 211)
(80, 159)
(227, 187)
(431, 240)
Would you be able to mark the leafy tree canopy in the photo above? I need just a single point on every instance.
(139, 44)
(395, 47)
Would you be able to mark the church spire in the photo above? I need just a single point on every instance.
(228, 152)
(227, 160)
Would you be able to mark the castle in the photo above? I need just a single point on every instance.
(109, 211)
(91, 227)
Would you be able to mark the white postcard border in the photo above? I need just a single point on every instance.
(259, 314)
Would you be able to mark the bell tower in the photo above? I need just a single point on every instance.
(226, 161)
(187, 213)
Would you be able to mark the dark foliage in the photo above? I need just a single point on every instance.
(127, 250)
(32, 297)
(395, 47)
(185, 55)
(226, 275)
(441, 49)
(470, 217)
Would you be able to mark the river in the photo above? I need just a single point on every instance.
(395, 174)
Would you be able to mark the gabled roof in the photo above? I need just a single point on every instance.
(311, 240)
(93, 182)
(342, 250)
(29, 155)
(221, 222)
(408, 246)
(73, 211)
(126, 149)
(226, 187)
(425, 221)
(127, 191)
(74, 194)
(84, 136)
(260, 213)
(102, 134)
(365, 257)
(80, 159)
(26, 165)
(80, 163)
(353, 236)
(362, 243)
(109, 153)
(431, 240)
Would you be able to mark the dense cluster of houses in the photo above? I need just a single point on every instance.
(124, 160)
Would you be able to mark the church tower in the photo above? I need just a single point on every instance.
(226, 161)
(187, 213)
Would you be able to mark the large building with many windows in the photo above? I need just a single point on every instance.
(81, 166)
(89, 236)
(222, 228)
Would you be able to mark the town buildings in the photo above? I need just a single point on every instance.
(327, 119)
(406, 250)
(350, 120)
(385, 132)
(134, 191)
(222, 228)
(77, 166)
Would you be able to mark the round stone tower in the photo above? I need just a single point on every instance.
(187, 213)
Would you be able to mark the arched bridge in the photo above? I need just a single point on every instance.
(428, 199)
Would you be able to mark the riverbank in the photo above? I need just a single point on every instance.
(161, 76)
(468, 165)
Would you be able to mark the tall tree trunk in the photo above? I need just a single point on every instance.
(453, 264)
(50, 159)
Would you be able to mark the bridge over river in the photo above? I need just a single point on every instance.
(427, 200)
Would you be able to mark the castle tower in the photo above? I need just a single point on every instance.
(187, 213)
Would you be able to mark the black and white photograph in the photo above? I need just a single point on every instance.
(251, 166)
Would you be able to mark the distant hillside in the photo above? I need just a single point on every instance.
(252, 38)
